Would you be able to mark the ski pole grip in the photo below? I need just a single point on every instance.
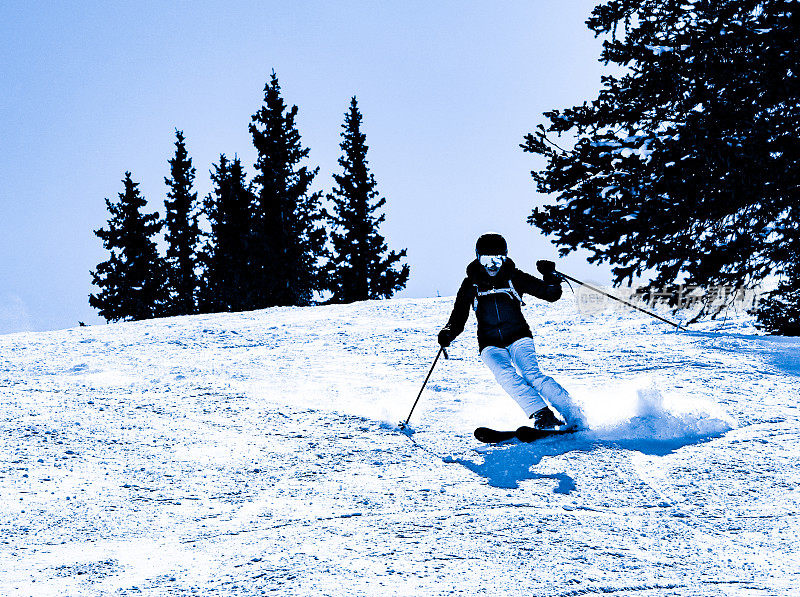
(546, 267)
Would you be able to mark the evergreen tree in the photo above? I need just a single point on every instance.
(686, 164)
(182, 232)
(132, 281)
(227, 283)
(779, 313)
(288, 241)
(359, 268)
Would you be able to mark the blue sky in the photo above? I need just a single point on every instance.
(447, 89)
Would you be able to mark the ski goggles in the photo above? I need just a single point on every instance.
(492, 261)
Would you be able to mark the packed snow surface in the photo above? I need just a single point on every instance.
(258, 453)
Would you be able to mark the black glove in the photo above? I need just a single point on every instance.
(545, 267)
(445, 337)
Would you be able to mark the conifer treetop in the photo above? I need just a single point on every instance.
(131, 282)
(182, 231)
(288, 240)
(359, 268)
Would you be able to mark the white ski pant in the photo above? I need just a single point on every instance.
(516, 369)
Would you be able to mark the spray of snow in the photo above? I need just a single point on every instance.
(640, 410)
(635, 415)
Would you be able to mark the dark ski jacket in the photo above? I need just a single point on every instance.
(500, 320)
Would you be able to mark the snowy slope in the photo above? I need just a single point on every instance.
(254, 453)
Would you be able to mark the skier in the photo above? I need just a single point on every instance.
(494, 288)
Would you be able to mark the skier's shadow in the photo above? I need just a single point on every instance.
(506, 465)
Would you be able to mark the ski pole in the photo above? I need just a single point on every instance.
(624, 302)
(441, 351)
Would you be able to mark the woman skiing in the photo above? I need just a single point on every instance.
(494, 288)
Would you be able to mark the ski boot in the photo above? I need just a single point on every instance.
(546, 420)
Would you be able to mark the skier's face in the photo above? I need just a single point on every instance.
(492, 263)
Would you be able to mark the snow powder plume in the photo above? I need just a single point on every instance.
(640, 412)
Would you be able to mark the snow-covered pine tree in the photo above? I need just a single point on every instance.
(132, 282)
(686, 164)
(182, 232)
(288, 240)
(359, 268)
(227, 283)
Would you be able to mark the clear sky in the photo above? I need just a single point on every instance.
(447, 90)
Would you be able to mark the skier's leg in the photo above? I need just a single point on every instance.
(523, 356)
(499, 362)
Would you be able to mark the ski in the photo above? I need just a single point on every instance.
(524, 434)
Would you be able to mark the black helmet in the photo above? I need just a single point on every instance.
(491, 243)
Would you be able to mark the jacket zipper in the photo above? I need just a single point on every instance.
(497, 310)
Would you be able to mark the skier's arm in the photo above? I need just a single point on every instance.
(548, 289)
(458, 318)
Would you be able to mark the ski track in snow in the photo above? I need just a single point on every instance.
(256, 453)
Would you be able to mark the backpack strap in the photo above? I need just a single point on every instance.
(510, 291)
